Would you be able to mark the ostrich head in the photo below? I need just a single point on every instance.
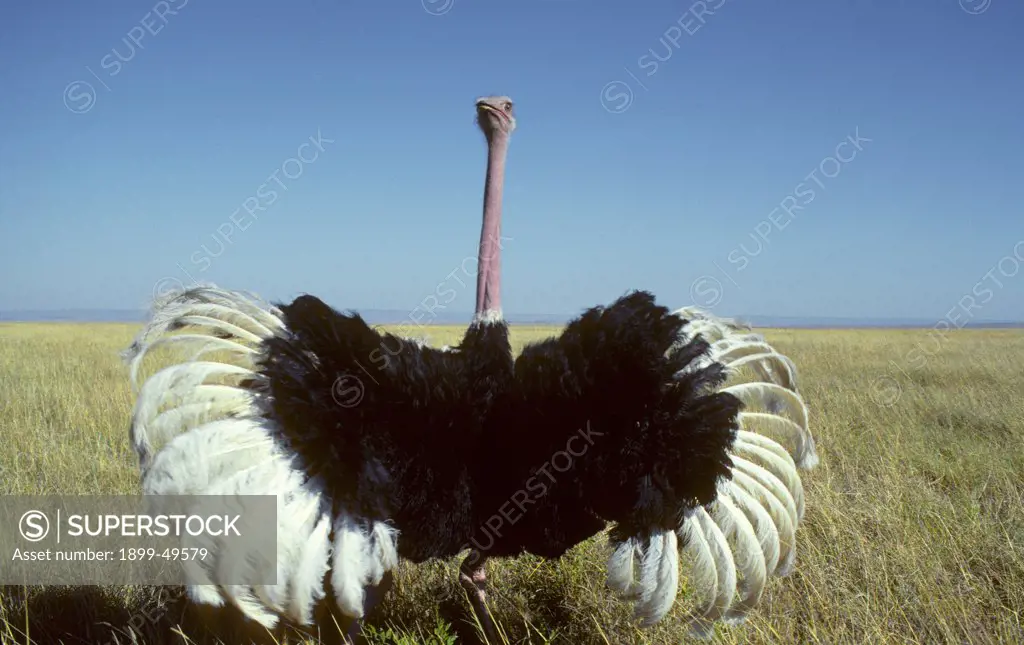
(494, 116)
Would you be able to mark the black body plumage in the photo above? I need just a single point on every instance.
(440, 442)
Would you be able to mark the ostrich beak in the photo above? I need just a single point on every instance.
(493, 110)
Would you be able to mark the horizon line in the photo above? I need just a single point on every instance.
(398, 316)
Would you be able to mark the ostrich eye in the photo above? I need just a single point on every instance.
(507, 107)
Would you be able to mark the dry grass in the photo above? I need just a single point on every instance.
(914, 531)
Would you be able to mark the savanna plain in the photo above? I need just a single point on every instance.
(914, 530)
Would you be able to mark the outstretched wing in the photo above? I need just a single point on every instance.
(671, 456)
(748, 533)
(270, 402)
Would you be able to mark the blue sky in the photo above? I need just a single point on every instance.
(674, 188)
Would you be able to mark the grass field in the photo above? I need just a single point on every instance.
(914, 531)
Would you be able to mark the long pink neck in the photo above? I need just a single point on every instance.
(488, 278)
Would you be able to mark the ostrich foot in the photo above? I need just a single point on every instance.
(473, 577)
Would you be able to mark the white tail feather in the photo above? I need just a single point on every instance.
(659, 578)
(621, 570)
(168, 311)
(228, 314)
(747, 555)
(784, 431)
(766, 443)
(206, 344)
(771, 365)
(705, 568)
(774, 399)
(221, 326)
(214, 396)
(314, 561)
(779, 515)
(732, 353)
(769, 481)
(175, 383)
(351, 565)
(782, 468)
(765, 531)
(650, 557)
(170, 423)
(705, 571)
(724, 565)
(771, 397)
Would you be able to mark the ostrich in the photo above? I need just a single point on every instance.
(443, 440)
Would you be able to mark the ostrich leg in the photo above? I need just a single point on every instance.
(374, 595)
(473, 576)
